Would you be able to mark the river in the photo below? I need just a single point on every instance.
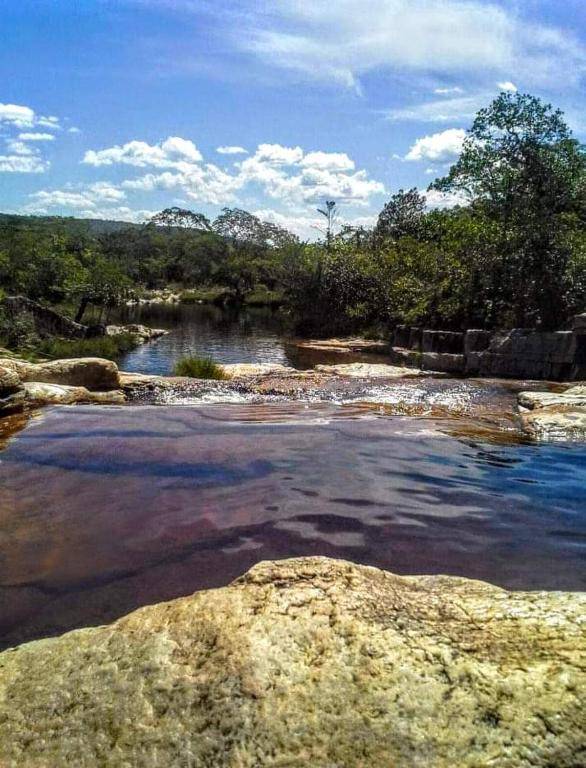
(109, 508)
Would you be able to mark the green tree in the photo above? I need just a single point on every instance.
(522, 169)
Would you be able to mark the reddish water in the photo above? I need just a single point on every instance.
(107, 509)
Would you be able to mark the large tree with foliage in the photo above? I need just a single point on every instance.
(521, 168)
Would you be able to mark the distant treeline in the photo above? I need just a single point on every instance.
(512, 253)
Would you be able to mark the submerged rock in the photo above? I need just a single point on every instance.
(309, 662)
(89, 372)
(343, 346)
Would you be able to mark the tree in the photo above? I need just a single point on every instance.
(402, 216)
(330, 213)
(181, 217)
(522, 168)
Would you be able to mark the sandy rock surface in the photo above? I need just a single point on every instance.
(89, 372)
(38, 393)
(310, 662)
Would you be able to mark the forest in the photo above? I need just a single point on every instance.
(511, 253)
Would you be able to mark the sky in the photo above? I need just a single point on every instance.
(119, 108)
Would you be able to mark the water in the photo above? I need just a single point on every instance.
(247, 336)
(107, 509)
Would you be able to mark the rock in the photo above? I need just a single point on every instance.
(578, 390)
(309, 662)
(9, 379)
(343, 346)
(369, 370)
(89, 372)
(449, 342)
(239, 370)
(38, 393)
(142, 332)
(443, 362)
(533, 400)
(556, 423)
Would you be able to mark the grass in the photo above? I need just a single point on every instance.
(102, 346)
(199, 368)
(207, 295)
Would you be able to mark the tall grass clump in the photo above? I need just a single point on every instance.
(199, 368)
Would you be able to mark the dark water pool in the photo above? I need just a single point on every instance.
(107, 509)
(228, 336)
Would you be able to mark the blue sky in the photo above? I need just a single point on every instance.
(118, 108)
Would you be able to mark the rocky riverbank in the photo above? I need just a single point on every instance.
(309, 662)
(558, 414)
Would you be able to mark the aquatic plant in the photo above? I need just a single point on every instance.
(199, 368)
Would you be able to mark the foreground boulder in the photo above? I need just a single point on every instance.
(89, 372)
(309, 662)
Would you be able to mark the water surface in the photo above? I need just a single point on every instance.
(106, 509)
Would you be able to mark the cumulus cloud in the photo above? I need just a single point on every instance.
(436, 199)
(22, 164)
(283, 173)
(438, 147)
(508, 86)
(439, 36)
(174, 152)
(86, 198)
(229, 150)
(36, 137)
(21, 116)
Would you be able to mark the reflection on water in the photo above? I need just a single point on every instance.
(248, 336)
(105, 509)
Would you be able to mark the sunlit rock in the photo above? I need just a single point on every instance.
(38, 393)
(90, 372)
(310, 662)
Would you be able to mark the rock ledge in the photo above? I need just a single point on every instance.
(309, 662)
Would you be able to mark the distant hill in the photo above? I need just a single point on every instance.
(88, 226)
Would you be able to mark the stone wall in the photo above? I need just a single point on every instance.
(518, 353)
(47, 321)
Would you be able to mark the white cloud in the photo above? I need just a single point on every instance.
(22, 164)
(284, 173)
(87, 198)
(174, 152)
(36, 137)
(276, 154)
(19, 148)
(341, 44)
(448, 91)
(442, 110)
(17, 115)
(229, 150)
(73, 129)
(438, 147)
(508, 86)
(328, 161)
(436, 199)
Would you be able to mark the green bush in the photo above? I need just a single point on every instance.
(109, 347)
(199, 368)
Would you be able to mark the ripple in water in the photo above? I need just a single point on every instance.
(106, 509)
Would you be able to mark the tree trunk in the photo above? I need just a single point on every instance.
(81, 311)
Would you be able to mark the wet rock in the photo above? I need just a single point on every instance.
(309, 662)
(369, 370)
(142, 333)
(38, 393)
(343, 346)
(556, 423)
(89, 372)
(239, 370)
(9, 380)
(536, 400)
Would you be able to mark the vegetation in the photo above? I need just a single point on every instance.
(109, 347)
(199, 368)
(511, 253)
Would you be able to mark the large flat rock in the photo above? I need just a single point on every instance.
(310, 662)
(90, 372)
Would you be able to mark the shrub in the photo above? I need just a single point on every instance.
(102, 346)
(199, 368)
